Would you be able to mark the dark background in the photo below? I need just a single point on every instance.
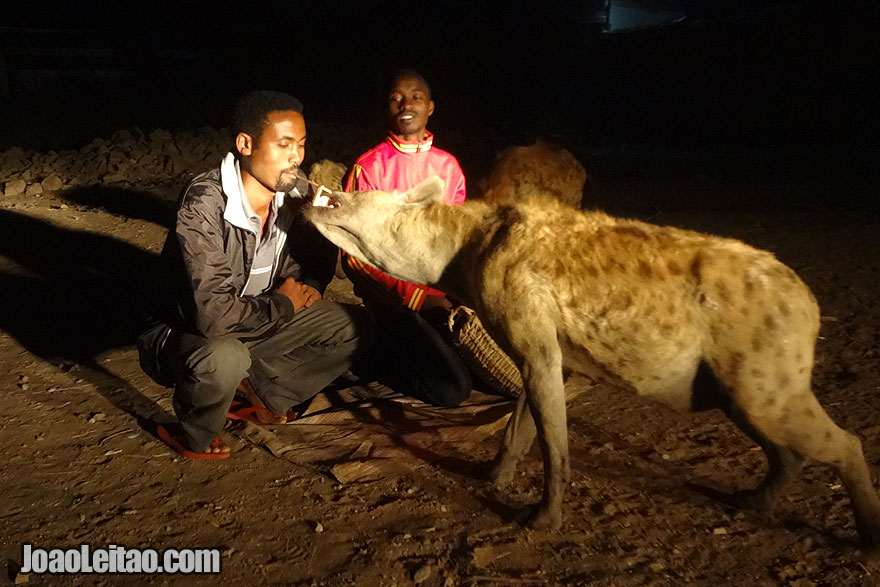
(744, 87)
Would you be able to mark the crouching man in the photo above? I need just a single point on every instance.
(246, 275)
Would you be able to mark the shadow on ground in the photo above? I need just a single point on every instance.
(69, 295)
(138, 204)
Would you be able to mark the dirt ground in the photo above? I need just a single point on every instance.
(387, 493)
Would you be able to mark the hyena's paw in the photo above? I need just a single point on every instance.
(540, 517)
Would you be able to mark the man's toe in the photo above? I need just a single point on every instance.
(217, 446)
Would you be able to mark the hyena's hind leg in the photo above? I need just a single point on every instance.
(783, 464)
(797, 421)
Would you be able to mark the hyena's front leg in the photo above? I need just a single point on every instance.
(518, 438)
(542, 375)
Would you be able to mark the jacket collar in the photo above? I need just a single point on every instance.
(230, 180)
(411, 146)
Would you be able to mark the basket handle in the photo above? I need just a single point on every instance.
(459, 316)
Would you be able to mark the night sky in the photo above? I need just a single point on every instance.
(796, 77)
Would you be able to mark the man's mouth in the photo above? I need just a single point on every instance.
(405, 116)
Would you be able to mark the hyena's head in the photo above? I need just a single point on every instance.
(386, 229)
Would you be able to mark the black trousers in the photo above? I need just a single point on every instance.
(286, 368)
(410, 356)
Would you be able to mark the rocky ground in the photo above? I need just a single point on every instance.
(386, 493)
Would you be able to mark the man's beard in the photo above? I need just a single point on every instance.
(286, 182)
(285, 185)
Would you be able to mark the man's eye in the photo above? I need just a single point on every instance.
(284, 145)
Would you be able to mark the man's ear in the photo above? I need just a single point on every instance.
(430, 108)
(430, 190)
(244, 143)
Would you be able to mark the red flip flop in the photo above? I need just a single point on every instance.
(241, 411)
(168, 439)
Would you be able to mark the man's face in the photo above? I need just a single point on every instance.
(409, 107)
(275, 159)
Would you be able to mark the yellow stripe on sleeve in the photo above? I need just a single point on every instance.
(351, 184)
(415, 299)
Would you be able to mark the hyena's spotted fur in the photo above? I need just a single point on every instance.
(540, 170)
(327, 173)
(693, 320)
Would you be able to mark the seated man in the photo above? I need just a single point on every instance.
(409, 354)
(245, 277)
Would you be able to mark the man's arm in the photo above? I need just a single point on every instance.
(353, 179)
(457, 186)
(214, 307)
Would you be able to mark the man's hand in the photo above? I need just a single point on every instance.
(432, 302)
(300, 294)
(312, 295)
(436, 310)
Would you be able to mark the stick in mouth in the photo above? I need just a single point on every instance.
(322, 199)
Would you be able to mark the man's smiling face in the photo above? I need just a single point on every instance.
(409, 107)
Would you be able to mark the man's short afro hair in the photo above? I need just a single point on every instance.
(253, 108)
(402, 73)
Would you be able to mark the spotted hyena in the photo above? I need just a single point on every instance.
(690, 319)
(327, 173)
(539, 170)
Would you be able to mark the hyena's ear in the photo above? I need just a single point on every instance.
(430, 190)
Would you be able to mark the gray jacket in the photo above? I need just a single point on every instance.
(209, 253)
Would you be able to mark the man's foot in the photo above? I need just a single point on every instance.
(216, 450)
(217, 446)
(263, 414)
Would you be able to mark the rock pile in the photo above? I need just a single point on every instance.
(129, 156)
(132, 157)
(135, 158)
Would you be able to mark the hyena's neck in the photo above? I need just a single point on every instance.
(456, 239)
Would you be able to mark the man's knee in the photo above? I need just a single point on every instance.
(224, 357)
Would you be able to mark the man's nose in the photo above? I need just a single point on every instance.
(296, 154)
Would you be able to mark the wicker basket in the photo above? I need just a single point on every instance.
(482, 354)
